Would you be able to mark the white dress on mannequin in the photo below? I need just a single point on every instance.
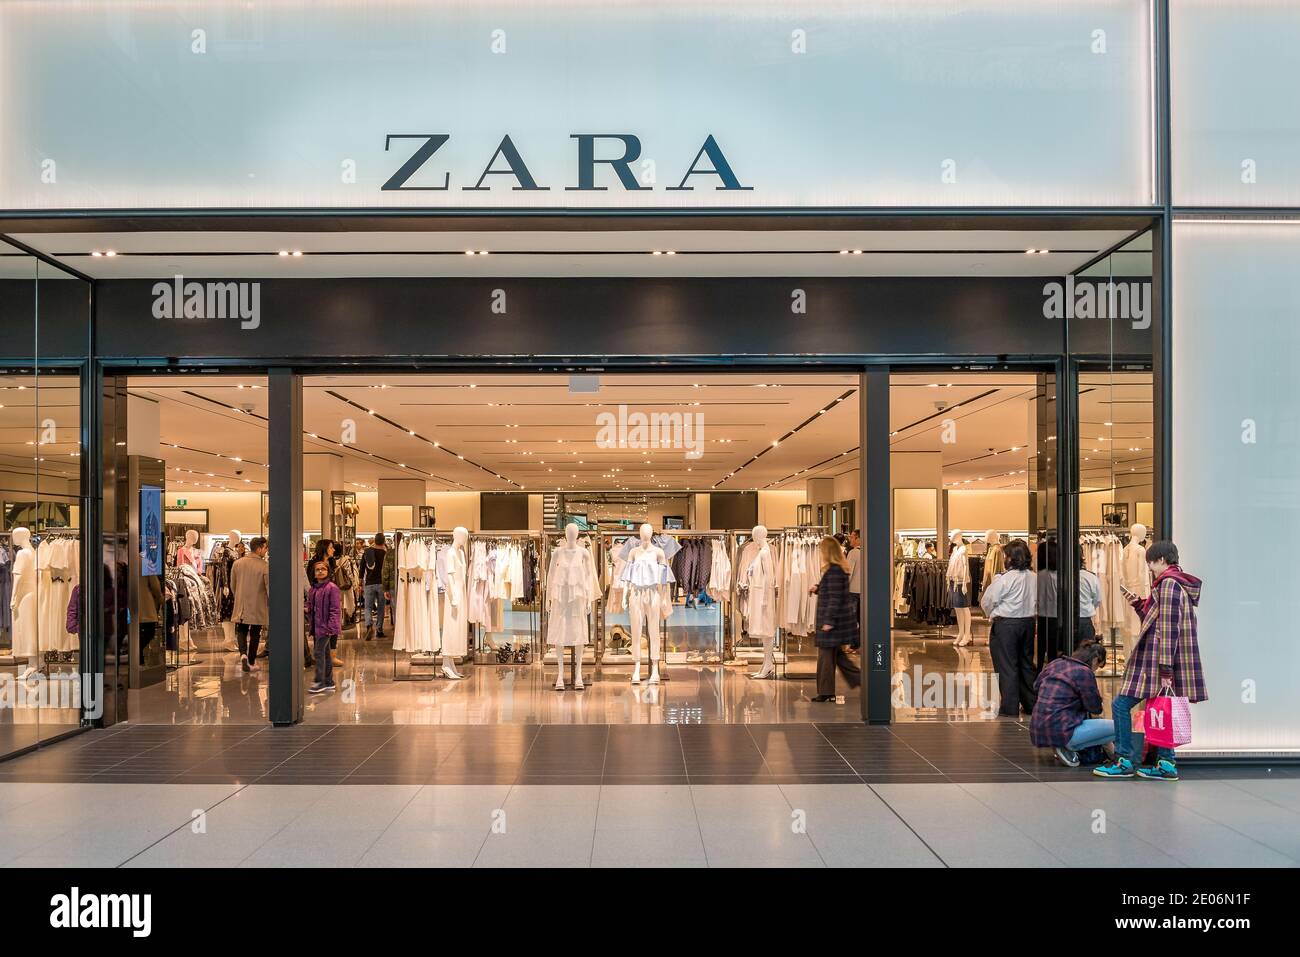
(759, 580)
(26, 632)
(571, 587)
(455, 611)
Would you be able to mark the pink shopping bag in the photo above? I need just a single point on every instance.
(1168, 721)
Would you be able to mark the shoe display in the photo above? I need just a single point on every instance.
(1123, 768)
(1162, 770)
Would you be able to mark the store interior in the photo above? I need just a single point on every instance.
(514, 459)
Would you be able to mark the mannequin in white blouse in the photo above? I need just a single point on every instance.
(644, 598)
(455, 621)
(758, 573)
(22, 599)
(959, 580)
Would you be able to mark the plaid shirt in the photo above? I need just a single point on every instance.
(1168, 640)
(1067, 694)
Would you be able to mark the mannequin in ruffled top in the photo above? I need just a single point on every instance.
(959, 591)
(571, 587)
(757, 579)
(644, 576)
(453, 571)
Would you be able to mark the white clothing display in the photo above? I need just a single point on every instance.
(645, 603)
(571, 587)
(1136, 577)
(57, 559)
(416, 626)
(719, 571)
(757, 584)
(25, 637)
(802, 570)
(958, 567)
(455, 605)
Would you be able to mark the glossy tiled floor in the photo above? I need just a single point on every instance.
(1253, 823)
(215, 691)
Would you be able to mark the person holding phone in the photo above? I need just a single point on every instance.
(1166, 660)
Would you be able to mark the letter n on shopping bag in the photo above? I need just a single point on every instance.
(1168, 722)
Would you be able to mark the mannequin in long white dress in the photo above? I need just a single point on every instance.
(758, 578)
(455, 607)
(22, 600)
(1136, 577)
(571, 587)
(646, 570)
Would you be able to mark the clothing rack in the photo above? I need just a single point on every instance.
(534, 615)
(434, 662)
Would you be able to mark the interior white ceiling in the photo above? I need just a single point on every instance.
(534, 433)
(576, 253)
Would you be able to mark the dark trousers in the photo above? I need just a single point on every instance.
(1011, 643)
(1049, 641)
(828, 659)
(324, 661)
(248, 636)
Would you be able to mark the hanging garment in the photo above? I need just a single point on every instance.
(455, 606)
(571, 587)
(6, 587)
(719, 584)
(995, 563)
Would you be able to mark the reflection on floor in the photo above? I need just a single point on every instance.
(215, 690)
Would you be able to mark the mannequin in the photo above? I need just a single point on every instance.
(189, 554)
(571, 588)
(22, 601)
(455, 620)
(1136, 577)
(958, 577)
(646, 570)
(758, 577)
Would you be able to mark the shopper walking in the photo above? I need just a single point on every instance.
(1067, 700)
(324, 621)
(1166, 660)
(372, 577)
(855, 569)
(326, 551)
(837, 622)
(1010, 602)
(250, 583)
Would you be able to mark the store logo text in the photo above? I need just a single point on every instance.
(709, 161)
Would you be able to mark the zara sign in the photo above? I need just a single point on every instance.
(709, 161)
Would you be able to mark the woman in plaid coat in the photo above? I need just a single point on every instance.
(1167, 659)
(837, 621)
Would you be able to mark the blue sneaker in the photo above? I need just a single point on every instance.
(1123, 768)
(1162, 770)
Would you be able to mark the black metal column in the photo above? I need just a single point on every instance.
(877, 552)
(1067, 484)
(1161, 287)
(285, 638)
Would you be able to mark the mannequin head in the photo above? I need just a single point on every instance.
(459, 536)
(1137, 533)
(22, 538)
(234, 537)
(760, 533)
(991, 536)
(647, 533)
(955, 537)
(571, 533)
(191, 537)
